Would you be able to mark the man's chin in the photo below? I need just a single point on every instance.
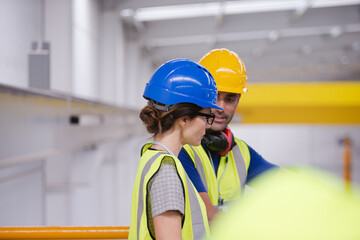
(217, 126)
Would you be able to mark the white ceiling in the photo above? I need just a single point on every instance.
(286, 41)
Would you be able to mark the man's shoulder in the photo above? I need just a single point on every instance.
(240, 142)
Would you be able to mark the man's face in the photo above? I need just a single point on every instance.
(228, 102)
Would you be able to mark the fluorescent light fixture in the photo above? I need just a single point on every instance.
(176, 12)
(228, 8)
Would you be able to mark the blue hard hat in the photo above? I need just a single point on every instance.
(182, 81)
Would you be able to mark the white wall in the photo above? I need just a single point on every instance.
(303, 145)
(58, 31)
(19, 26)
(108, 87)
(85, 48)
(22, 195)
(95, 187)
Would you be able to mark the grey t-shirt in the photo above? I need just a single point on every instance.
(166, 192)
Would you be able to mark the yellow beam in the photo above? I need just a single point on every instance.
(313, 102)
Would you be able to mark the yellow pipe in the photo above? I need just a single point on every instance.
(70, 232)
(347, 163)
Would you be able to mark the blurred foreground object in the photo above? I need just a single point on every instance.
(295, 204)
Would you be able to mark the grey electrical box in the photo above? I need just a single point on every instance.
(39, 65)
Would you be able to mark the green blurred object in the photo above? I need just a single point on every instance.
(299, 203)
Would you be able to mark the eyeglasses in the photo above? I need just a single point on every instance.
(209, 117)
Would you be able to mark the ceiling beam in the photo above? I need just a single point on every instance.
(302, 103)
(229, 8)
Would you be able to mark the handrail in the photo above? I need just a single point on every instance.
(53, 94)
(68, 232)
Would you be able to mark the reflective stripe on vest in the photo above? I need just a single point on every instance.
(197, 214)
(240, 166)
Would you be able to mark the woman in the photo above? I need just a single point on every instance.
(165, 204)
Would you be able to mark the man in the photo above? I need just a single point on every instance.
(222, 164)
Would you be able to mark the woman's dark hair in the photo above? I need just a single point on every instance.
(159, 121)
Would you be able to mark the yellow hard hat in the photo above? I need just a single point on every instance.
(227, 69)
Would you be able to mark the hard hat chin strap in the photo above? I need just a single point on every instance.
(160, 106)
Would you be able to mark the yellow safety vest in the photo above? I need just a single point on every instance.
(194, 224)
(231, 174)
(297, 204)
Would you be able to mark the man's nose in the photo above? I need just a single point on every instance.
(220, 103)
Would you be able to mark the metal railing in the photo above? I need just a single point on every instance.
(69, 232)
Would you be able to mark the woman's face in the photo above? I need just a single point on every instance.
(195, 129)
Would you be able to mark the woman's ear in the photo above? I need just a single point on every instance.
(183, 120)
